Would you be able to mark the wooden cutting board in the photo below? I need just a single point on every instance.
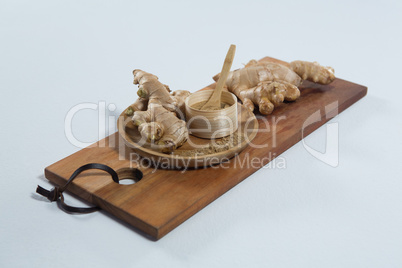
(164, 199)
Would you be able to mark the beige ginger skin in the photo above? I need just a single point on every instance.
(156, 112)
(267, 84)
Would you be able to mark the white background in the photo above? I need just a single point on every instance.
(57, 54)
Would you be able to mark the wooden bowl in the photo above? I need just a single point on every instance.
(211, 124)
(179, 159)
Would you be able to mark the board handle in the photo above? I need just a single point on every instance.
(56, 194)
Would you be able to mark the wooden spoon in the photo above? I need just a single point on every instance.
(214, 102)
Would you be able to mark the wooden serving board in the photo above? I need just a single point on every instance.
(164, 199)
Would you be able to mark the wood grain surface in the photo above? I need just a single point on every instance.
(164, 199)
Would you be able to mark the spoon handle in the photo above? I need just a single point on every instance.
(215, 99)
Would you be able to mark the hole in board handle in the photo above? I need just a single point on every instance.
(129, 176)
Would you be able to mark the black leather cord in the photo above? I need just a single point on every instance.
(55, 193)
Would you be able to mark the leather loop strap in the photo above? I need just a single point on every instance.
(55, 193)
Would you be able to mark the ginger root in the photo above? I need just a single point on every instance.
(313, 71)
(267, 84)
(157, 113)
(267, 95)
